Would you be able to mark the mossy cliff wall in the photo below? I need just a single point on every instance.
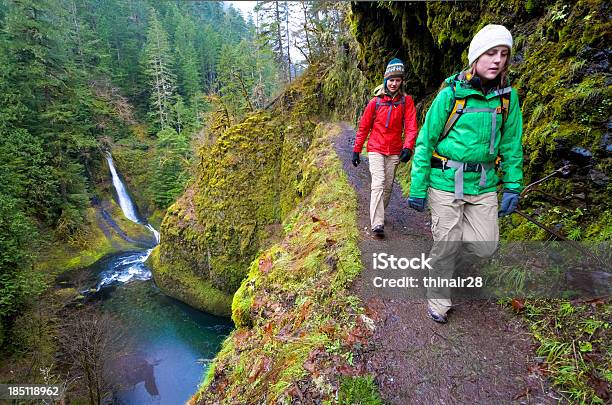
(246, 182)
(561, 69)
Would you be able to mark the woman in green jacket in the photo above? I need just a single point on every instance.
(472, 130)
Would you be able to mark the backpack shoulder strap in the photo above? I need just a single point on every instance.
(505, 104)
(379, 102)
(403, 103)
(457, 110)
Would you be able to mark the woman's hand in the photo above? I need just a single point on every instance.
(417, 203)
(405, 155)
(509, 203)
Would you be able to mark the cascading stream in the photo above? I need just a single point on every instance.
(129, 266)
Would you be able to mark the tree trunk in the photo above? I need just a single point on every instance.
(288, 41)
(279, 37)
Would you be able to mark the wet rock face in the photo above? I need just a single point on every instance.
(598, 60)
(580, 156)
(598, 178)
(571, 154)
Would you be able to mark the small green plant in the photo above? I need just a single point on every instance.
(560, 15)
(358, 391)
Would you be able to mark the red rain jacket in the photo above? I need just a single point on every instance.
(385, 129)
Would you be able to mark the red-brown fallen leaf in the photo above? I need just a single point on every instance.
(267, 329)
(355, 335)
(321, 221)
(295, 391)
(345, 369)
(314, 358)
(263, 365)
(523, 393)
(258, 303)
(265, 265)
(303, 314)
(309, 366)
(594, 301)
(597, 301)
(540, 369)
(328, 329)
(241, 336)
(221, 386)
(373, 308)
(518, 304)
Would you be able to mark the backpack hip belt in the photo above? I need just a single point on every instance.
(438, 161)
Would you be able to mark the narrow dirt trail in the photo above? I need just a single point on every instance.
(483, 355)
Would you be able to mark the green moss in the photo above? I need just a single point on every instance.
(181, 283)
(242, 301)
(244, 185)
(358, 390)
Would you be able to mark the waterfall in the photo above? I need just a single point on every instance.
(130, 265)
(126, 204)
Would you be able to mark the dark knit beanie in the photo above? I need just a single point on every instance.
(394, 68)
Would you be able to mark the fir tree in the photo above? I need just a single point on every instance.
(157, 61)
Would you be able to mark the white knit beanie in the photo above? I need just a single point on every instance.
(488, 37)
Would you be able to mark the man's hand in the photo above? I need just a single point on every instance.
(417, 203)
(405, 155)
(356, 159)
(509, 203)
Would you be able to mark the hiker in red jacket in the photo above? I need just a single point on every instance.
(387, 115)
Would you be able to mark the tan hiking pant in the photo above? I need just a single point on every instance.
(382, 169)
(471, 220)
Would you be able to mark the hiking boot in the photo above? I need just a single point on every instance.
(436, 316)
(379, 230)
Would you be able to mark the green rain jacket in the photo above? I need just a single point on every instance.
(468, 141)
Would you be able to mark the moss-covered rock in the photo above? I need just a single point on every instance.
(184, 285)
(246, 181)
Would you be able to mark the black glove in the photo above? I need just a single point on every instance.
(417, 203)
(356, 160)
(510, 200)
(405, 155)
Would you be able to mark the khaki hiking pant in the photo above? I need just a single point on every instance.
(467, 228)
(382, 169)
